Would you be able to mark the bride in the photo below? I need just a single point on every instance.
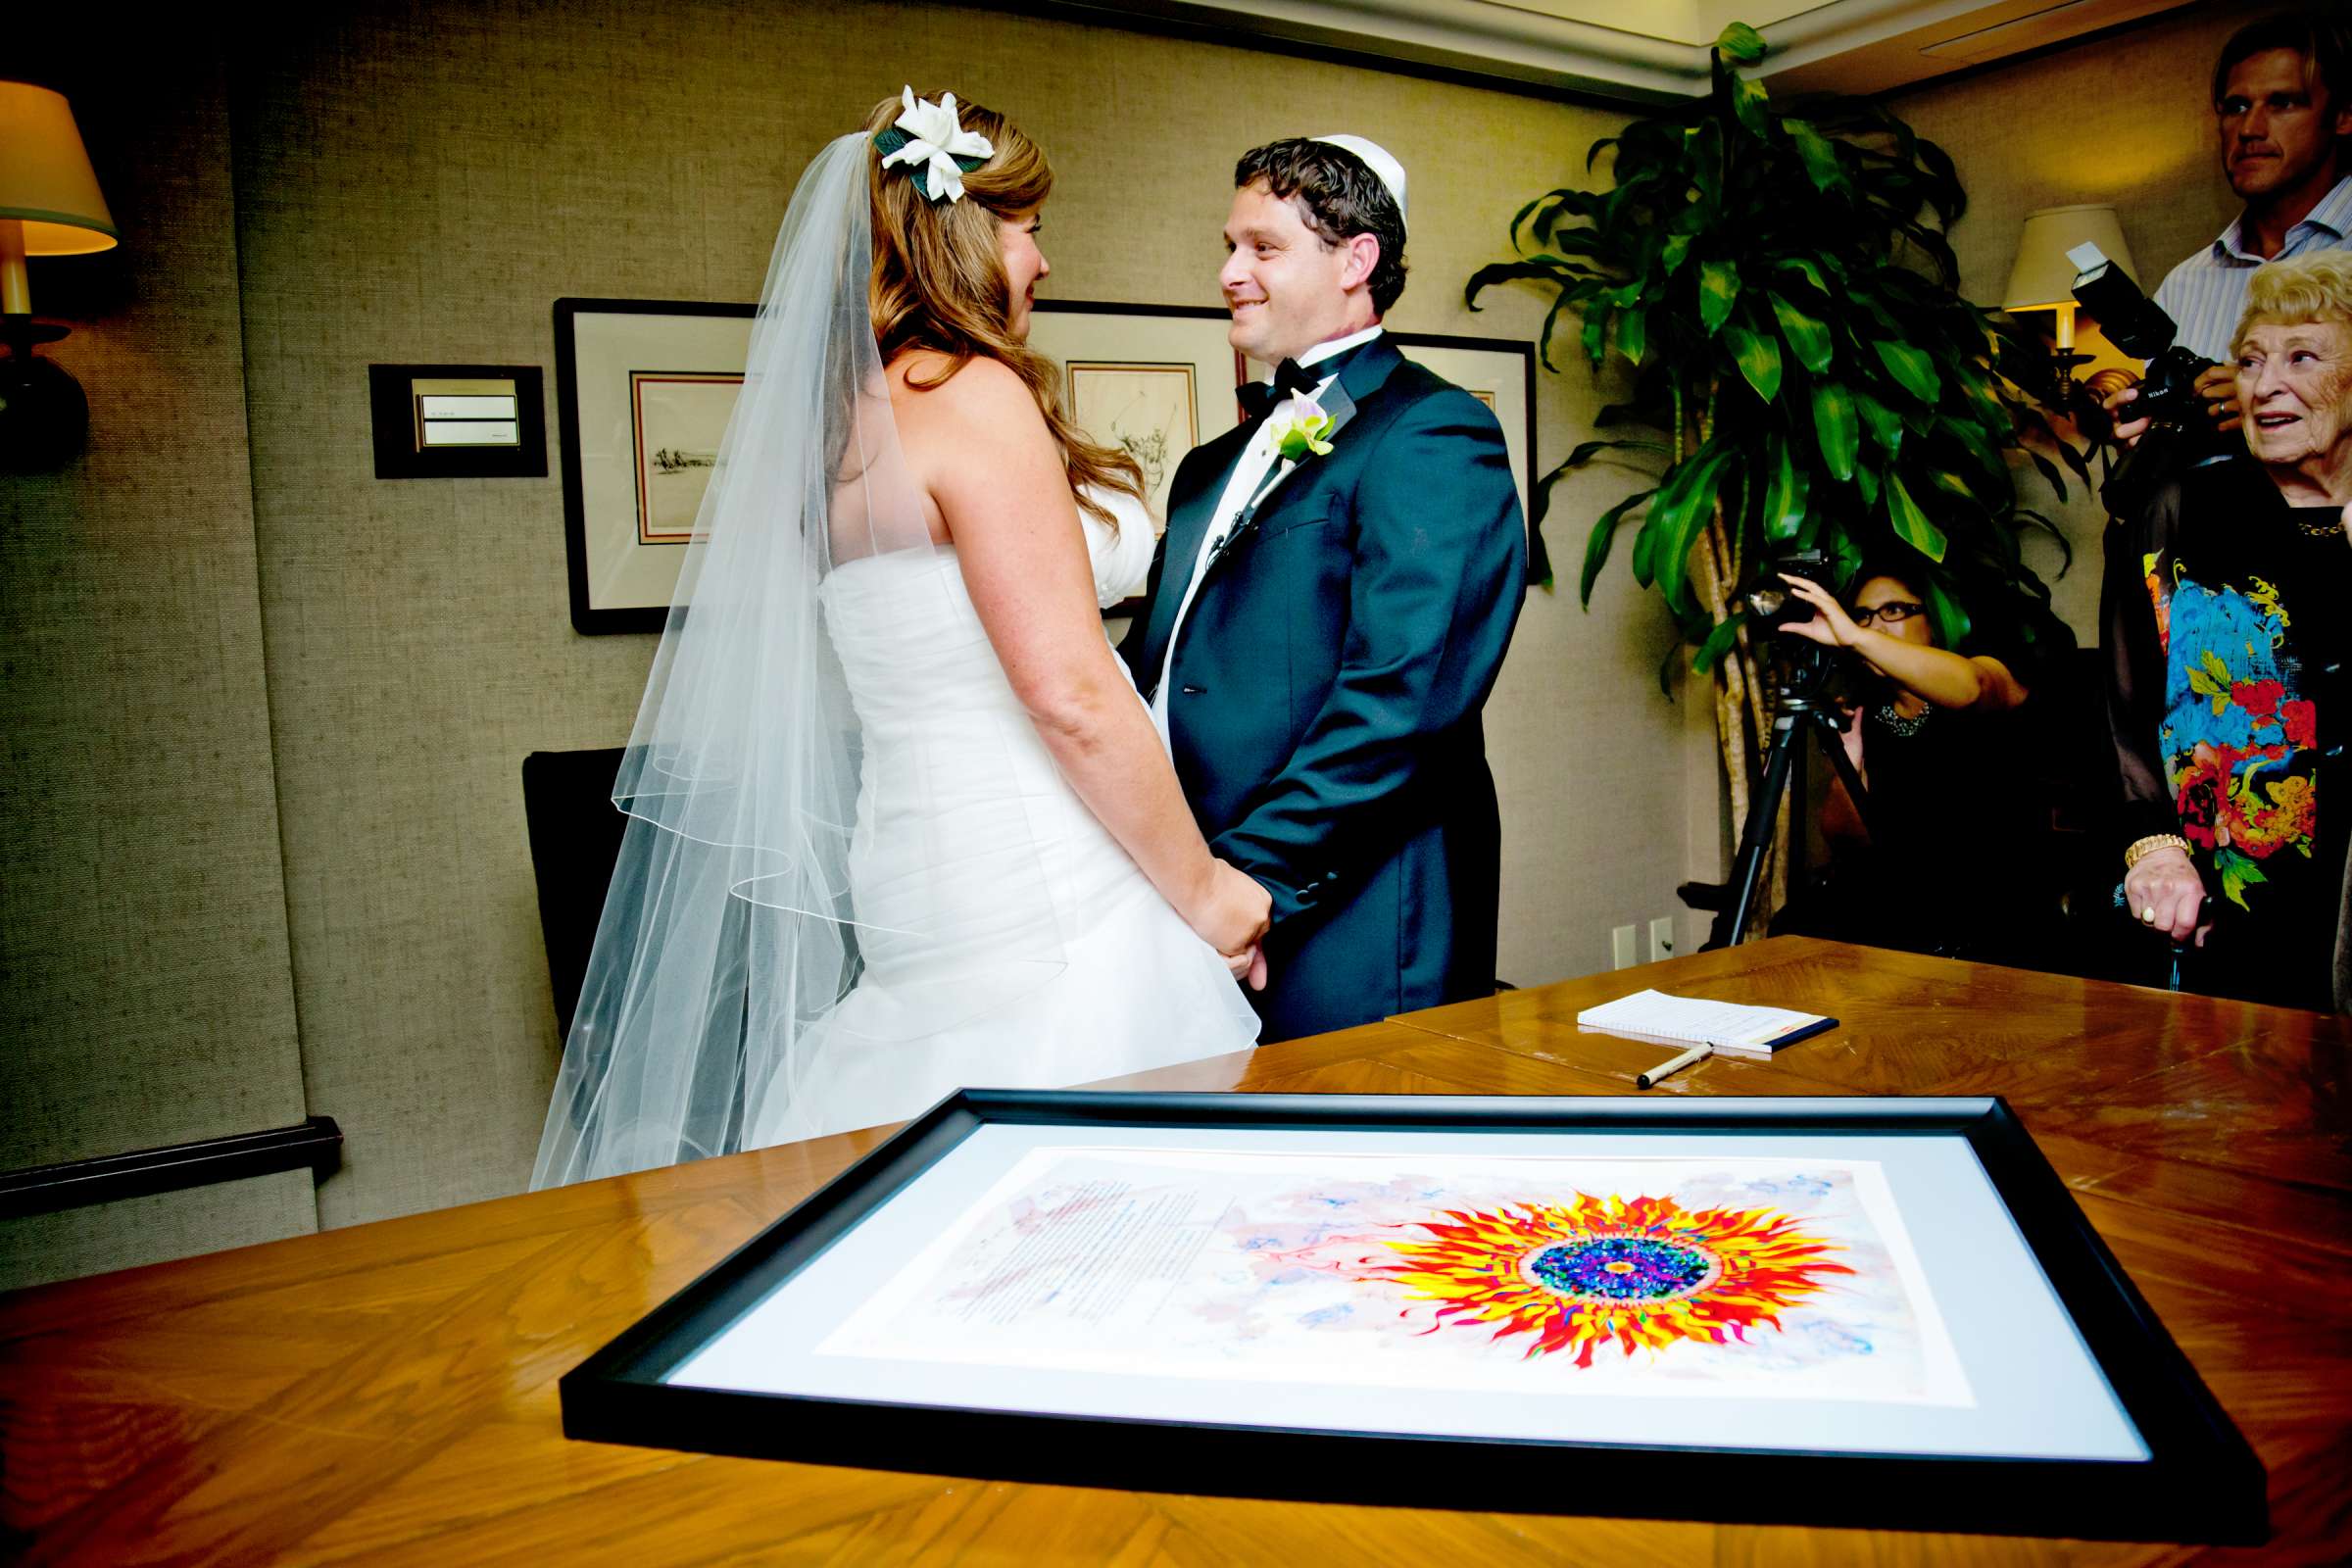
(897, 820)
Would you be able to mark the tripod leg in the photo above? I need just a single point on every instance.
(1748, 864)
(1833, 742)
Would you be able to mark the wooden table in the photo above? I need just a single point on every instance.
(387, 1392)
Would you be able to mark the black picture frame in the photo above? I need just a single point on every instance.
(392, 425)
(588, 617)
(1526, 465)
(2201, 1481)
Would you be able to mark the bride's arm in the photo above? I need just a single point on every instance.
(984, 451)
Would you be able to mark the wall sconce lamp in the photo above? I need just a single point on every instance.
(49, 206)
(2043, 280)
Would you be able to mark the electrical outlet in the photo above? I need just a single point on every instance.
(1661, 938)
(1621, 947)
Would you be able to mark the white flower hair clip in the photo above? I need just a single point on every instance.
(934, 148)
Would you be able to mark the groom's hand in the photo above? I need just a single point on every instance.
(1256, 977)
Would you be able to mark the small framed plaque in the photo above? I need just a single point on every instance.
(458, 421)
(1866, 1312)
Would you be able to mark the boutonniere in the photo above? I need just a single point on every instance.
(1302, 432)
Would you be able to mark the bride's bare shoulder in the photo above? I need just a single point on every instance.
(984, 400)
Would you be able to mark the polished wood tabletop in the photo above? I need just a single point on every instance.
(387, 1392)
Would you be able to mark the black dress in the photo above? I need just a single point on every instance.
(2222, 615)
(1956, 862)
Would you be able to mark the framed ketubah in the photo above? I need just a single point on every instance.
(644, 389)
(1864, 1312)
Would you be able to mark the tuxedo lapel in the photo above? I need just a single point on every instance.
(1361, 373)
(1338, 407)
(1191, 507)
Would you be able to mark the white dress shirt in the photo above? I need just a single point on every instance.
(2206, 294)
(1250, 471)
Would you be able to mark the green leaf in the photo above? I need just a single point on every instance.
(1596, 333)
(1803, 266)
(1866, 480)
(1834, 427)
(1740, 44)
(1911, 525)
(1912, 368)
(1748, 104)
(1584, 451)
(1758, 358)
(1884, 428)
(1784, 495)
(1951, 623)
(1632, 334)
(1808, 337)
(1719, 642)
(1951, 484)
(1671, 256)
(1685, 505)
(1819, 156)
(1596, 544)
(1718, 288)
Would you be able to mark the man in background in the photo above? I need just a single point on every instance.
(2282, 105)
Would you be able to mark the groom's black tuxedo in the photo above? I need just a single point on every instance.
(1324, 699)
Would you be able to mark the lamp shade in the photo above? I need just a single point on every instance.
(45, 177)
(2042, 279)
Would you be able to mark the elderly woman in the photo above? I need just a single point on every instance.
(2223, 614)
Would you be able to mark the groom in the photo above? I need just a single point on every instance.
(1328, 608)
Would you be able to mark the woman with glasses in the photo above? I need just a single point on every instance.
(2224, 622)
(1948, 863)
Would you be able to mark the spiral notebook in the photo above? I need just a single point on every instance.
(1731, 1027)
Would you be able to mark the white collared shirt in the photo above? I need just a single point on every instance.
(1250, 471)
(2206, 294)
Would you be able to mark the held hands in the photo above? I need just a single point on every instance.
(2167, 895)
(2216, 387)
(1231, 916)
(1830, 625)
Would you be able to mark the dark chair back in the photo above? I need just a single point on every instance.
(575, 837)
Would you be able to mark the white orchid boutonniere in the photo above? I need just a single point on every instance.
(1302, 432)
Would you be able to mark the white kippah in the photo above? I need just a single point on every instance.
(1376, 158)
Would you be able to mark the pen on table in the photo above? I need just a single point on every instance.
(1657, 1075)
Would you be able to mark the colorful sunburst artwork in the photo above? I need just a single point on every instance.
(1642, 1273)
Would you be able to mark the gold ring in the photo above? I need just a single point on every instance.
(2147, 917)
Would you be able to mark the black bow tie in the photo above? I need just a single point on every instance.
(1259, 397)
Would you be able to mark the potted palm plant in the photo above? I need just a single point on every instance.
(1804, 372)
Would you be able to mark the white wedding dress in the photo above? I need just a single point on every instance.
(1006, 940)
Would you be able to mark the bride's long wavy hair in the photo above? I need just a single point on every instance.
(939, 279)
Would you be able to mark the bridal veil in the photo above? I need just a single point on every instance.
(729, 933)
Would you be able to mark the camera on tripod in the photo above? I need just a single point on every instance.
(2178, 431)
(1768, 598)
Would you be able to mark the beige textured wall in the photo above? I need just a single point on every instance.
(420, 186)
(145, 994)
(2127, 120)
(415, 184)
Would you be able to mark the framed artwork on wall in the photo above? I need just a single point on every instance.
(643, 392)
(644, 389)
(1151, 380)
(1866, 1312)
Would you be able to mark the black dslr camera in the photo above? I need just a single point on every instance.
(1768, 596)
(2179, 433)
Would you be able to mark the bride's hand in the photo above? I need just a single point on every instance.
(1232, 912)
